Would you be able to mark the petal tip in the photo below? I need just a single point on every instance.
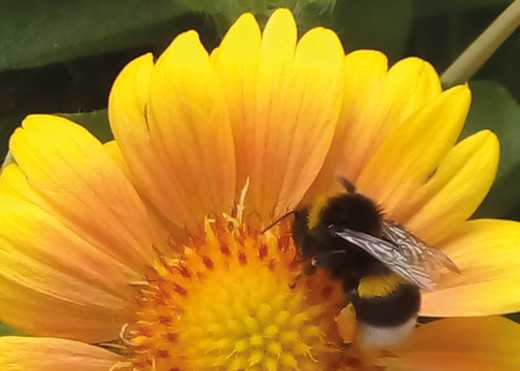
(281, 19)
(322, 41)
(282, 14)
(461, 93)
(245, 18)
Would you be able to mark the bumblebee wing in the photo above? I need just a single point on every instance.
(390, 255)
(416, 250)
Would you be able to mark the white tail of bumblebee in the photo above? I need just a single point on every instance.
(368, 336)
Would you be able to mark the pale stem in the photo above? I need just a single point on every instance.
(483, 47)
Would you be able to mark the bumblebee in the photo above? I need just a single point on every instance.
(381, 264)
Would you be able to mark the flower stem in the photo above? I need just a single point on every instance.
(483, 47)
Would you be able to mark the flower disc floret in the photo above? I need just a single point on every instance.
(233, 301)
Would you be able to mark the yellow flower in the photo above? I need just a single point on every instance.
(149, 247)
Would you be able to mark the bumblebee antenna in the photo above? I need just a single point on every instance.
(277, 221)
(349, 186)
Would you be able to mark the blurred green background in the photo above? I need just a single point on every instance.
(62, 56)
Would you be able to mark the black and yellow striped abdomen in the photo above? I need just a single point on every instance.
(386, 300)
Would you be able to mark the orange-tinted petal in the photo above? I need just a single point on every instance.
(236, 63)
(114, 152)
(165, 230)
(313, 99)
(275, 60)
(412, 150)
(53, 282)
(487, 252)
(454, 192)
(133, 151)
(189, 127)
(469, 344)
(375, 103)
(66, 172)
(409, 85)
(284, 106)
(49, 354)
(365, 71)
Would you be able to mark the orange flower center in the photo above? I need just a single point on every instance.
(233, 301)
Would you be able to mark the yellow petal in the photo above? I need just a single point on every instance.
(454, 192)
(283, 102)
(297, 103)
(12, 180)
(54, 283)
(375, 103)
(409, 85)
(114, 152)
(412, 150)
(487, 252)
(313, 98)
(189, 127)
(50, 354)
(133, 150)
(236, 63)
(254, 136)
(469, 344)
(165, 231)
(365, 71)
(67, 173)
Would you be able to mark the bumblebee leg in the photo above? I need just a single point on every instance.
(309, 268)
(327, 258)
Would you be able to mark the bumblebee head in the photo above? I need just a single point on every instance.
(353, 211)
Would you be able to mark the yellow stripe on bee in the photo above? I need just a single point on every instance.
(314, 214)
(379, 286)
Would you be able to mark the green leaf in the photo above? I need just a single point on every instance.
(308, 13)
(514, 317)
(430, 8)
(494, 108)
(226, 12)
(96, 122)
(313, 13)
(6, 330)
(9, 159)
(35, 33)
(378, 24)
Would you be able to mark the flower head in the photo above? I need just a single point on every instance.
(152, 246)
